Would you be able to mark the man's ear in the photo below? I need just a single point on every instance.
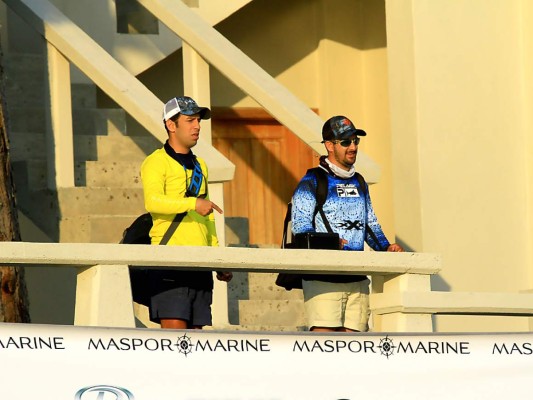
(329, 146)
(170, 125)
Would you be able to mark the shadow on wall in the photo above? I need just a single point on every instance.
(265, 35)
(263, 38)
(237, 235)
(51, 290)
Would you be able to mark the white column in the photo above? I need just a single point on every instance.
(196, 84)
(103, 297)
(60, 142)
(388, 309)
(220, 293)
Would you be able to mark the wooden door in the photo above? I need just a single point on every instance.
(270, 161)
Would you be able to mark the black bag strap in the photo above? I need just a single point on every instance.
(285, 226)
(361, 182)
(321, 195)
(374, 237)
(172, 228)
(368, 230)
(321, 186)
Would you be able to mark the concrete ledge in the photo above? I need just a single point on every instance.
(517, 304)
(228, 258)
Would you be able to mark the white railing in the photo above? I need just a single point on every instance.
(401, 299)
(103, 293)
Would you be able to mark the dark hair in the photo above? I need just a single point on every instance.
(173, 119)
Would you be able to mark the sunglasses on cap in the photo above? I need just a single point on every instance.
(347, 142)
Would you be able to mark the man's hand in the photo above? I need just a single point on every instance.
(205, 207)
(395, 248)
(224, 276)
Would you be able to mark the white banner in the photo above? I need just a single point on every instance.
(75, 363)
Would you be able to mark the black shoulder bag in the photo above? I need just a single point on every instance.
(308, 240)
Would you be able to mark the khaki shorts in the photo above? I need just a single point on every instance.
(332, 305)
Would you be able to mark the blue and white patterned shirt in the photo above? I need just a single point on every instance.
(347, 208)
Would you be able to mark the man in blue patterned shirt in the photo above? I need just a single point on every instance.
(338, 303)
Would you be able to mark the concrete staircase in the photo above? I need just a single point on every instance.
(108, 193)
(257, 304)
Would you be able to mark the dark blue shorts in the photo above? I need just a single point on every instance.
(185, 303)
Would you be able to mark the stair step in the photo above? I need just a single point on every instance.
(32, 146)
(254, 286)
(25, 84)
(109, 148)
(83, 95)
(115, 174)
(99, 121)
(110, 174)
(94, 228)
(90, 121)
(271, 312)
(89, 201)
(77, 201)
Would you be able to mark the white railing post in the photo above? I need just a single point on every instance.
(530, 319)
(103, 297)
(387, 303)
(59, 140)
(220, 292)
(196, 84)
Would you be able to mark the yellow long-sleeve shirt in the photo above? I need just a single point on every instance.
(165, 182)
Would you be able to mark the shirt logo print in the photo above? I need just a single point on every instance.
(347, 190)
(350, 225)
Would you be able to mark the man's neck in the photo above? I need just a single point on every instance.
(178, 147)
(337, 164)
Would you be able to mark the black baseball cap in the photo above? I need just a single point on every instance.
(339, 128)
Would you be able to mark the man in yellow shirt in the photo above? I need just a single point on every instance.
(175, 184)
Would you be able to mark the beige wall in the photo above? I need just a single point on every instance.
(460, 98)
(527, 106)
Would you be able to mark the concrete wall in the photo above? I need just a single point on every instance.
(460, 110)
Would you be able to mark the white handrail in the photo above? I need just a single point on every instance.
(401, 298)
(103, 293)
(233, 258)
